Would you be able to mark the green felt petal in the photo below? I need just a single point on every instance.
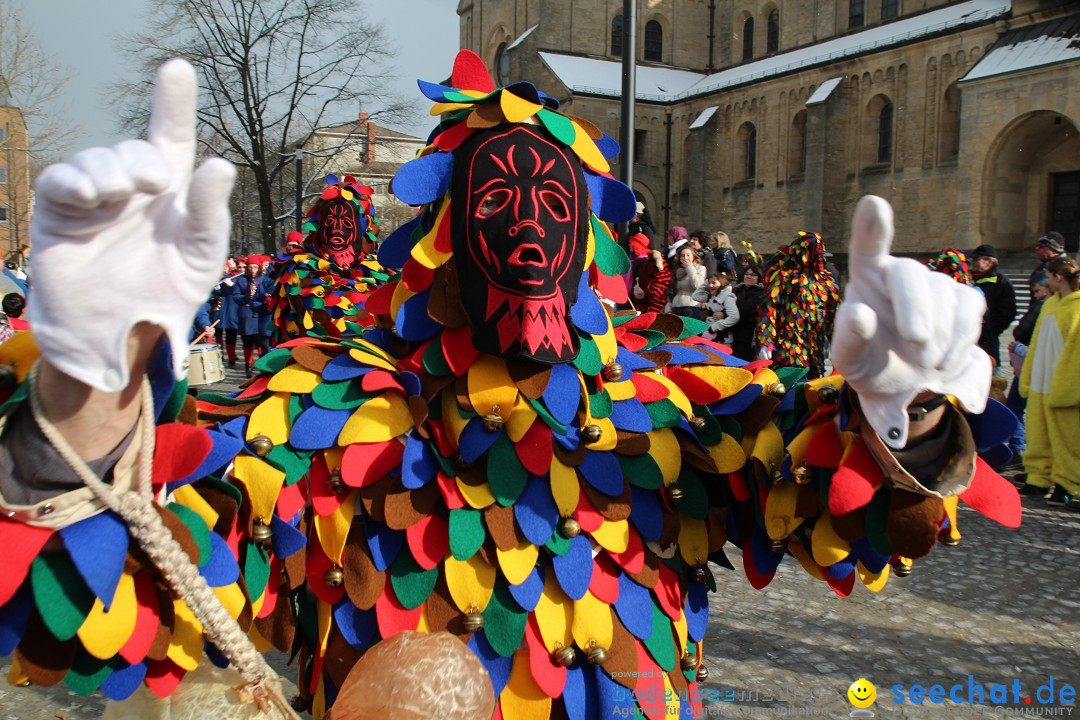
(296, 406)
(506, 475)
(434, 361)
(713, 433)
(620, 320)
(542, 411)
(310, 227)
(730, 426)
(87, 673)
(610, 258)
(256, 569)
(467, 533)
(412, 584)
(877, 516)
(664, 413)
(61, 596)
(588, 360)
(307, 614)
(194, 522)
(274, 361)
(225, 487)
(558, 125)
(692, 327)
(558, 544)
(695, 502)
(219, 399)
(17, 397)
(294, 463)
(600, 404)
(652, 337)
(344, 395)
(790, 375)
(661, 643)
(176, 402)
(642, 471)
(504, 622)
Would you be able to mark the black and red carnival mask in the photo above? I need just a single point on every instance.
(338, 231)
(520, 223)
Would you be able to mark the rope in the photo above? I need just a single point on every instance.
(137, 508)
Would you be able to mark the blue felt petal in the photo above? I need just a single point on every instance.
(411, 382)
(332, 179)
(13, 616)
(287, 540)
(234, 428)
(413, 321)
(418, 466)
(357, 626)
(608, 147)
(787, 403)
(579, 693)
(611, 200)
(633, 361)
(123, 682)
(720, 558)
(842, 569)
(563, 392)
(498, 667)
(383, 542)
(737, 402)
(434, 91)
(615, 700)
(765, 560)
(730, 360)
(996, 456)
(383, 338)
(216, 656)
(992, 426)
(424, 179)
(225, 448)
(222, 568)
(588, 312)
(396, 248)
(476, 439)
(870, 558)
(527, 594)
(317, 428)
(574, 569)
(603, 472)
(634, 607)
(630, 415)
(160, 375)
(343, 367)
(646, 513)
(697, 611)
(684, 424)
(684, 354)
(570, 440)
(98, 547)
(535, 510)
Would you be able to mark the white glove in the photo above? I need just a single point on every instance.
(128, 234)
(903, 329)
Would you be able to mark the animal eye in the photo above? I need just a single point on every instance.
(493, 202)
(555, 204)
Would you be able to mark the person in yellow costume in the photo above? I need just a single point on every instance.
(1049, 382)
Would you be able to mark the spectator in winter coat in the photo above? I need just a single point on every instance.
(1048, 247)
(1000, 299)
(705, 255)
(726, 261)
(717, 302)
(749, 295)
(226, 331)
(1018, 350)
(689, 276)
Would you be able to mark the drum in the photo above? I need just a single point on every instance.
(205, 364)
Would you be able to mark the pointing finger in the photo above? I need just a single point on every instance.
(172, 119)
(871, 237)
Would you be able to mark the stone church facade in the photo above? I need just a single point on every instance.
(765, 117)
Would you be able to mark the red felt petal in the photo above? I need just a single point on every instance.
(824, 449)
(588, 517)
(630, 341)
(604, 583)
(993, 496)
(146, 620)
(179, 449)
(642, 322)
(162, 677)
(258, 387)
(429, 540)
(270, 595)
(379, 380)
(549, 675)
(757, 579)
(392, 615)
(738, 486)
(378, 302)
(364, 463)
(442, 236)
(316, 566)
(449, 140)
(698, 340)
(417, 277)
(291, 500)
(613, 287)
(648, 390)
(697, 389)
(855, 482)
(439, 435)
(667, 592)
(650, 684)
(470, 73)
(450, 491)
(458, 349)
(21, 544)
(843, 587)
(323, 499)
(633, 559)
(534, 449)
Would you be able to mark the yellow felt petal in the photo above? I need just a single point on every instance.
(346, 194)
(623, 390)
(104, 633)
(295, 379)
(271, 418)
(261, 644)
(728, 380)
(606, 343)
(554, 614)
(372, 360)
(263, 482)
(796, 548)
(470, 582)
(334, 528)
(473, 93)
(590, 247)
(518, 562)
(592, 624)
(452, 419)
(693, 540)
(401, 295)
(728, 455)
(564, 487)
(191, 499)
(608, 437)
(797, 447)
(828, 547)
(477, 496)
(232, 599)
(675, 394)
(326, 615)
(812, 387)
(769, 447)
(186, 644)
(521, 419)
(378, 420)
(424, 625)
(516, 109)
(613, 536)
(780, 520)
(15, 675)
(21, 351)
(671, 698)
(332, 456)
(586, 149)
(367, 345)
(664, 449)
(424, 252)
(874, 582)
(950, 510)
(680, 629)
(491, 389)
(318, 703)
(257, 603)
(522, 698)
(766, 377)
(445, 107)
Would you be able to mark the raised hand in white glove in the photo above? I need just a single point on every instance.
(903, 329)
(125, 235)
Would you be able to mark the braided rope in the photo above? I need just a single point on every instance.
(144, 522)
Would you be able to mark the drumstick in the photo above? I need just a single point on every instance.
(203, 334)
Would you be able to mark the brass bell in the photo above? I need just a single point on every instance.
(777, 389)
(493, 421)
(24, 683)
(828, 394)
(613, 372)
(702, 674)
(901, 570)
(698, 423)
(948, 540)
(9, 378)
(262, 445)
(334, 577)
(473, 621)
(569, 527)
(675, 494)
(701, 573)
(336, 483)
(801, 474)
(779, 546)
(591, 434)
(688, 662)
(260, 532)
(598, 655)
(566, 656)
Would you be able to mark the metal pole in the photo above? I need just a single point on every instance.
(629, 92)
(667, 168)
(299, 187)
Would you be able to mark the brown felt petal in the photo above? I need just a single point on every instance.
(807, 502)
(758, 414)
(166, 619)
(531, 378)
(418, 408)
(913, 523)
(405, 508)
(591, 130)
(444, 303)
(475, 473)
(313, 359)
(279, 627)
(851, 525)
(669, 531)
(295, 565)
(500, 525)
(743, 512)
(373, 497)
(225, 413)
(678, 681)
(717, 529)
(442, 613)
(225, 507)
(612, 508)
(658, 357)
(631, 443)
(670, 325)
(340, 657)
(570, 458)
(189, 412)
(487, 553)
(461, 392)
(430, 386)
(621, 665)
(650, 570)
(44, 659)
(364, 583)
(180, 533)
(486, 115)
(694, 455)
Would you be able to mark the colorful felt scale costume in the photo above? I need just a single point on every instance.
(499, 457)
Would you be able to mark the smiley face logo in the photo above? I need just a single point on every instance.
(862, 693)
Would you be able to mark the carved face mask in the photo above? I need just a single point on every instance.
(520, 226)
(337, 231)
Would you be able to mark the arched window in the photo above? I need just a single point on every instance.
(797, 146)
(746, 152)
(857, 14)
(772, 34)
(748, 39)
(889, 9)
(616, 35)
(885, 133)
(654, 41)
(949, 133)
(502, 66)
